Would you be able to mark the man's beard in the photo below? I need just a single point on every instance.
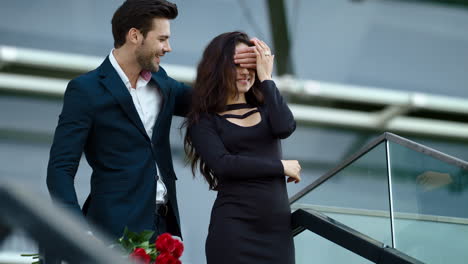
(145, 60)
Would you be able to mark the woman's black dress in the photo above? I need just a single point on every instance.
(251, 218)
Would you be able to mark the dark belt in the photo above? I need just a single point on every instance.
(162, 209)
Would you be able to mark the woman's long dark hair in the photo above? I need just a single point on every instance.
(215, 81)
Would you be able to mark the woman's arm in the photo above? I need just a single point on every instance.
(280, 116)
(209, 146)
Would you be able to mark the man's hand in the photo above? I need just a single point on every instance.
(246, 57)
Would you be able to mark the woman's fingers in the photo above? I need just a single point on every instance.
(291, 179)
(294, 178)
(292, 170)
(254, 39)
(259, 50)
(264, 47)
(261, 46)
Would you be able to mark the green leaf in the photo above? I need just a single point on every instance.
(152, 252)
(131, 240)
(132, 235)
(145, 244)
(30, 255)
(146, 235)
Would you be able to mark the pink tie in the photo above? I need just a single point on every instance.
(145, 75)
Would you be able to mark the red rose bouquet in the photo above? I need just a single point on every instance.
(166, 249)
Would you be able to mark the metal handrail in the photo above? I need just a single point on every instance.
(392, 117)
(384, 137)
(311, 88)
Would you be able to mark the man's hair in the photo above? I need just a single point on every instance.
(139, 14)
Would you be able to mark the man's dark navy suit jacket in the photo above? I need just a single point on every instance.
(100, 119)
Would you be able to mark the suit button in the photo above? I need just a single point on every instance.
(152, 145)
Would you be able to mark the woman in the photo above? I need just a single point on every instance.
(233, 133)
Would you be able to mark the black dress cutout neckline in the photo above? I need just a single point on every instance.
(239, 106)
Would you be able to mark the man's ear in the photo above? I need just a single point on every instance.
(134, 36)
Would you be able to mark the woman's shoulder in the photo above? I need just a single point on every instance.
(206, 123)
(206, 119)
(207, 116)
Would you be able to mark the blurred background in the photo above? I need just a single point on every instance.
(349, 69)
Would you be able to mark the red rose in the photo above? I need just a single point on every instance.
(178, 249)
(140, 255)
(165, 243)
(167, 258)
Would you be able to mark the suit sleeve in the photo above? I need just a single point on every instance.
(225, 165)
(183, 99)
(280, 116)
(70, 137)
(182, 94)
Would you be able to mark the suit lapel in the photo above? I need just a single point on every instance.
(164, 97)
(111, 80)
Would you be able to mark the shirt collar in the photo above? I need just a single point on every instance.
(143, 79)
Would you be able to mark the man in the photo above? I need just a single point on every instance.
(120, 115)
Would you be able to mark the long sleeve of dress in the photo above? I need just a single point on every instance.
(280, 116)
(209, 146)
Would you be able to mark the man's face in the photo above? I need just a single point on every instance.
(154, 46)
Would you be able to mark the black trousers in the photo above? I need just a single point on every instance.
(160, 218)
(165, 220)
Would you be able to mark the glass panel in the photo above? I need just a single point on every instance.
(312, 248)
(358, 191)
(429, 198)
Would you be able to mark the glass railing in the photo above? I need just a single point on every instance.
(321, 239)
(336, 253)
(405, 195)
(430, 198)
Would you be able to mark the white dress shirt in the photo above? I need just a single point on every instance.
(147, 101)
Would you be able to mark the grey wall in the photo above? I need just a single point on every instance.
(388, 44)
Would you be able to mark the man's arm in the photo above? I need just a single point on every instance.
(70, 137)
(182, 93)
(183, 99)
(246, 57)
